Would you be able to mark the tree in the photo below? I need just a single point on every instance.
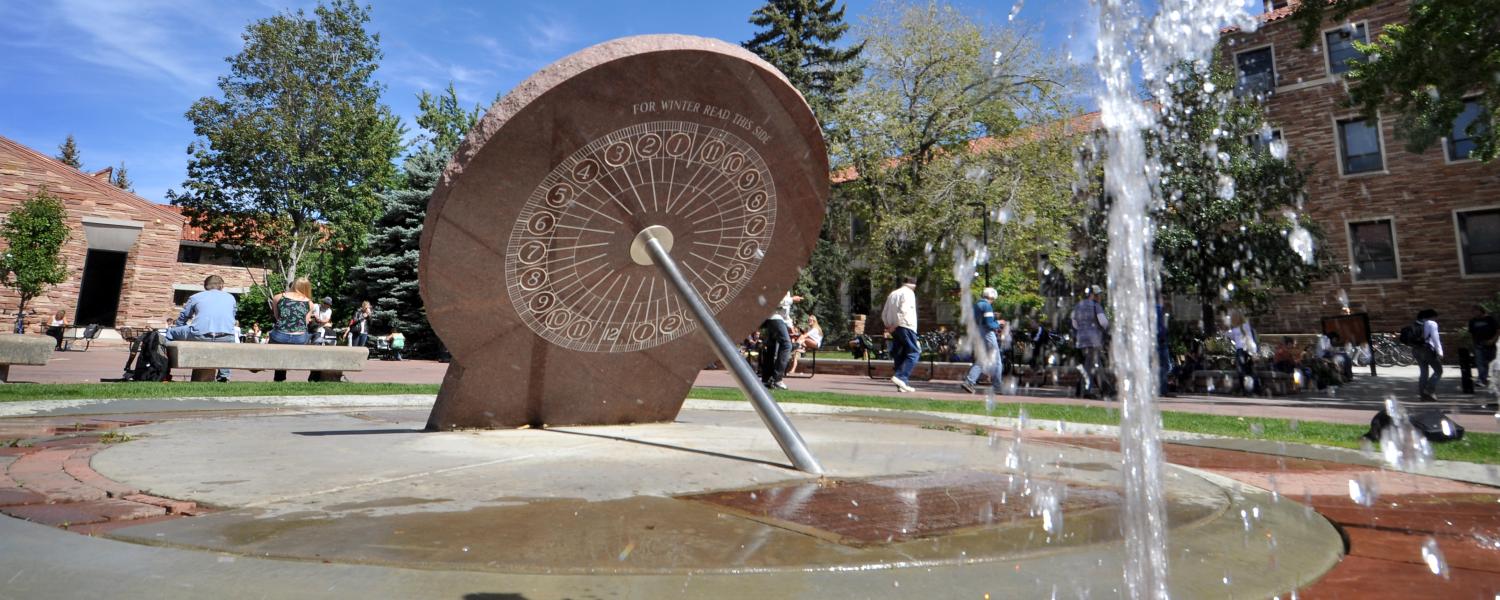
(34, 235)
(121, 180)
(800, 37)
(1424, 70)
(67, 153)
(292, 157)
(1230, 228)
(386, 274)
(935, 82)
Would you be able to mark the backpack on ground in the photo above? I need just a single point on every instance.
(1433, 424)
(151, 362)
(1413, 334)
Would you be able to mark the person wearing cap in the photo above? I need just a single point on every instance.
(1429, 355)
(322, 318)
(208, 316)
(990, 331)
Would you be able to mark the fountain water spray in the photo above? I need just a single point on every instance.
(1181, 30)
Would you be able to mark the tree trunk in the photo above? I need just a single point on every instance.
(1210, 327)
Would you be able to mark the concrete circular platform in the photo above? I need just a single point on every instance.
(703, 507)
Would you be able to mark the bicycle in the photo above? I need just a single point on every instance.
(1388, 352)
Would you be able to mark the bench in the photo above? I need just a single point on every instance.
(1211, 380)
(327, 363)
(23, 350)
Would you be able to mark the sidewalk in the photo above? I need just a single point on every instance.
(1354, 403)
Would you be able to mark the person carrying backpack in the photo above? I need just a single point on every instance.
(1427, 348)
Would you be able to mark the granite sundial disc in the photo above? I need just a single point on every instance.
(529, 268)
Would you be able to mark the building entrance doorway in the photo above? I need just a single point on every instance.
(99, 294)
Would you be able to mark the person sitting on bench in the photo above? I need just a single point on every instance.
(811, 339)
(208, 316)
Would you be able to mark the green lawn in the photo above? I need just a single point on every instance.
(1475, 447)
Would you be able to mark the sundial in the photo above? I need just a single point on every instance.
(611, 226)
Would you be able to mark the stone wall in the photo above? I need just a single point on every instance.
(1420, 192)
(146, 292)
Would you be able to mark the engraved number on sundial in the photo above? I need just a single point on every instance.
(567, 264)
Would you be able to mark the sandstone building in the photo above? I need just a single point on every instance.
(1414, 230)
(132, 262)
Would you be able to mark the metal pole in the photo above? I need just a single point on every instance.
(770, 413)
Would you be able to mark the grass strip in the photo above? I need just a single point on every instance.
(17, 392)
(1475, 447)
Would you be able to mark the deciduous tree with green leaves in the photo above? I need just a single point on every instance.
(1423, 70)
(1231, 231)
(935, 82)
(291, 157)
(34, 235)
(67, 153)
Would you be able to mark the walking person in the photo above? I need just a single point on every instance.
(1089, 323)
(359, 326)
(900, 318)
(56, 326)
(208, 316)
(1163, 351)
(1242, 336)
(1429, 355)
(778, 343)
(292, 311)
(991, 330)
(1483, 329)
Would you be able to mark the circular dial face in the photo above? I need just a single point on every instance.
(568, 266)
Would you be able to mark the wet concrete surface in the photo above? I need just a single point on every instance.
(361, 487)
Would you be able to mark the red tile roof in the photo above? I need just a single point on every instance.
(1076, 125)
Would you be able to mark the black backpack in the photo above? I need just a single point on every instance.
(1433, 424)
(1412, 334)
(151, 363)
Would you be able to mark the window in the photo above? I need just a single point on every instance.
(189, 254)
(1359, 146)
(1340, 45)
(1479, 241)
(1260, 142)
(180, 297)
(1461, 140)
(1275, 4)
(1257, 74)
(1372, 245)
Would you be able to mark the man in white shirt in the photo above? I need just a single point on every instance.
(1429, 355)
(778, 343)
(900, 318)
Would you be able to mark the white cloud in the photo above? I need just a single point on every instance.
(549, 34)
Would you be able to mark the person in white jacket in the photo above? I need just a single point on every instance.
(900, 317)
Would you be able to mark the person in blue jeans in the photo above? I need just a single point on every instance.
(991, 330)
(1163, 352)
(208, 316)
(293, 311)
(900, 317)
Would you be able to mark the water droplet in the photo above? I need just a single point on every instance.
(1434, 558)
(1362, 490)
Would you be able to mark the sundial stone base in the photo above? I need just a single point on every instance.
(527, 269)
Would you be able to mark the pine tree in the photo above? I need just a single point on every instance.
(122, 181)
(387, 274)
(799, 37)
(68, 153)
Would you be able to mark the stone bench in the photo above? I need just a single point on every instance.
(23, 350)
(328, 363)
(1277, 383)
(1210, 381)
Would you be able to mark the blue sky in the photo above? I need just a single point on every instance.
(120, 74)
